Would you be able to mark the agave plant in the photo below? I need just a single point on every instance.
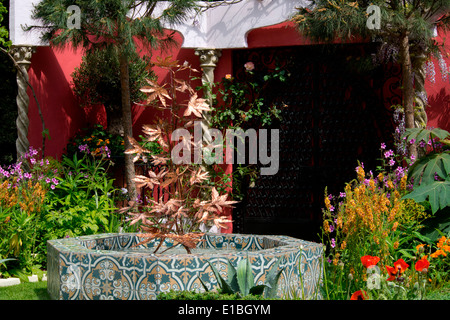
(240, 280)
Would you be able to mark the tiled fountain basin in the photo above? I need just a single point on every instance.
(109, 266)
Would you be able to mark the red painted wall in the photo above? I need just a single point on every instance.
(50, 75)
(439, 91)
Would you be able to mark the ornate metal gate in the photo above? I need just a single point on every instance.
(335, 116)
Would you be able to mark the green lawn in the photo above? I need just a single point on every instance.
(25, 291)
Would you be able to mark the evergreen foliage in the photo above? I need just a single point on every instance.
(116, 25)
(408, 26)
(8, 92)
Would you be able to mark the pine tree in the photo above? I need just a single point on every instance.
(406, 26)
(97, 82)
(110, 25)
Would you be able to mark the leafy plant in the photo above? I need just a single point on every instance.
(371, 216)
(95, 138)
(189, 198)
(240, 280)
(242, 103)
(97, 82)
(192, 295)
(82, 202)
(430, 174)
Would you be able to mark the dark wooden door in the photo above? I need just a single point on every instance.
(336, 114)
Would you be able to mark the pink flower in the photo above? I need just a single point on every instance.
(249, 66)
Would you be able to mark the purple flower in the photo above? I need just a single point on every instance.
(388, 153)
(53, 187)
(331, 228)
(333, 243)
(84, 148)
(55, 181)
(342, 194)
(383, 146)
(391, 162)
(47, 180)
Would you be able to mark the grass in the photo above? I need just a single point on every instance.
(38, 291)
(25, 291)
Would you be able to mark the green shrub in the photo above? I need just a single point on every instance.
(208, 295)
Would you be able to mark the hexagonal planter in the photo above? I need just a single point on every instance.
(110, 266)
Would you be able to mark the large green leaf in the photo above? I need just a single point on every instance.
(224, 286)
(245, 276)
(232, 277)
(424, 169)
(420, 134)
(272, 279)
(437, 193)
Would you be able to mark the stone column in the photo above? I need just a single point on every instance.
(208, 61)
(22, 55)
(421, 99)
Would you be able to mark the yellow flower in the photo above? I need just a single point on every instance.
(361, 173)
(390, 184)
(372, 185)
(403, 182)
(327, 203)
(394, 227)
(326, 227)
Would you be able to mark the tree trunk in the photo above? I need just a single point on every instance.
(114, 119)
(407, 89)
(127, 125)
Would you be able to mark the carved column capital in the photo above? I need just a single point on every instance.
(22, 55)
(209, 58)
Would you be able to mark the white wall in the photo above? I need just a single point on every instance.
(220, 27)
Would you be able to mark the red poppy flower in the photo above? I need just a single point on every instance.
(422, 264)
(359, 295)
(369, 261)
(399, 267)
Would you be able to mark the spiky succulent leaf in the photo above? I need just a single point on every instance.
(245, 276)
(272, 280)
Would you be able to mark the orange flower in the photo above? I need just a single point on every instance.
(438, 253)
(359, 295)
(420, 247)
(422, 264)
(369, 261)
(399, 267)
